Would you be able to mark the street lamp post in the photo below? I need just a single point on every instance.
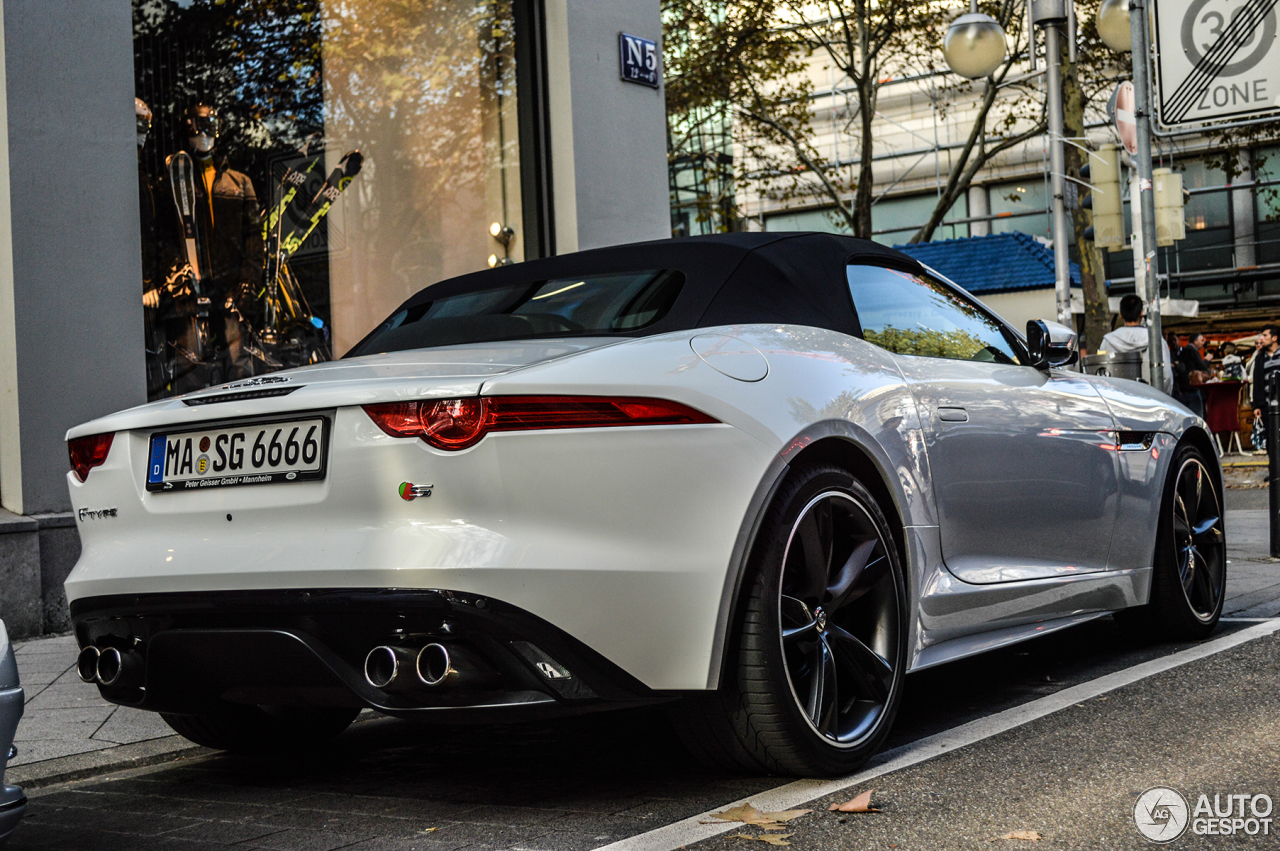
(974, 47)
(1057, 155)
(974, 44)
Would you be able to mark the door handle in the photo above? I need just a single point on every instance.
(953, 415)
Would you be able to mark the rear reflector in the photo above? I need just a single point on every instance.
(459, 423)
(88, 452)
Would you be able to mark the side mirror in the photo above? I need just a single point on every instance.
(1051, 344)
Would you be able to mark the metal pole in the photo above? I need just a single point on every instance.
(1139, 265)
(1057, 169)
(1139, 31)
(1273, 457)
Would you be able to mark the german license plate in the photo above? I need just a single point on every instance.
(248, 454)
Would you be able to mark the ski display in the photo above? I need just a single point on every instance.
(182, 182)
(283, 331)
(319, 204)
(217, 323)
(303, 181)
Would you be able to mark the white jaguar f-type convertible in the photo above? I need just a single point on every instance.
(759, 477)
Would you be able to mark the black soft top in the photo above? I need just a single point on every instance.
(730, 279)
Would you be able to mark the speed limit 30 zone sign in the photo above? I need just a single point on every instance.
(1218, 61)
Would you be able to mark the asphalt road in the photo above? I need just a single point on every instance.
(1074, 776)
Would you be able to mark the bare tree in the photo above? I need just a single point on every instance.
(747, 66)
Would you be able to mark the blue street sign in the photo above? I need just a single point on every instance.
(638, 58)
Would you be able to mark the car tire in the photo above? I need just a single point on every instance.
(254, 729)
(1189, 568)
(810, 690)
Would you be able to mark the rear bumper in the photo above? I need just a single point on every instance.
(308, 647)
(621, 537)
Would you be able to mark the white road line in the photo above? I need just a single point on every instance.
(792, 795)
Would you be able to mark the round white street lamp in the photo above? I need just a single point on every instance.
(1113, 25)
(974, 45)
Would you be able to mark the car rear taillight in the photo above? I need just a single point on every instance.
(88, 452)
(459, 423)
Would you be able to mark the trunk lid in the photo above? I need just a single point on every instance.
(446, 372)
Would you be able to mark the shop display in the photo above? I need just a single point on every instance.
(230, 307)
(266, 113)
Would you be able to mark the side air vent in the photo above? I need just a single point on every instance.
(1136, 440)
(241, 395)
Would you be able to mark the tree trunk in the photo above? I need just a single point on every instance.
(866, 180)
(867, 83)
(1097, 316)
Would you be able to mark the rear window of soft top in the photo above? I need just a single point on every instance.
(590, 306)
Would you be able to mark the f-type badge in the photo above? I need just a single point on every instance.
(409, 491)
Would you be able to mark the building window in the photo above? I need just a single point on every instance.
(896, 220)
(332, 159)
(1020, 206)
(893, 221)
(1209, 243)
(1267, 204)
(819, 221)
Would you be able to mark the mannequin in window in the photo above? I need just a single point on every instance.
(227, 217)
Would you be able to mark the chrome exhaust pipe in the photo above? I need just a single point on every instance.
(450, 666)
(119, 669)
(391, 668)
(87, 664)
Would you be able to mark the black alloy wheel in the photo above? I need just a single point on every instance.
(1199, 542)
(1189, 576)
(818, 656)
(838, 636)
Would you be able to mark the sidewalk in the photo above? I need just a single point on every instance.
(69, 732)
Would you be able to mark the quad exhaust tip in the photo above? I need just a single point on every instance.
(381, 666)
(409, 669)
(115, 668)
(87, 664)
(435, 667)
(109, 667)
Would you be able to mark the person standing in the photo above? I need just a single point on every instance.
(1132, 336)
(1191, 360)
(1264, 366)
(1232, 365)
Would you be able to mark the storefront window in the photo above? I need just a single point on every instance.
(305, 166)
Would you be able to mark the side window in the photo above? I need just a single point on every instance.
(914, 315)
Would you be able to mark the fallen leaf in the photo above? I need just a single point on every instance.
(771, 838)
(860, 804)
(748, 814)
(1026, 835)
